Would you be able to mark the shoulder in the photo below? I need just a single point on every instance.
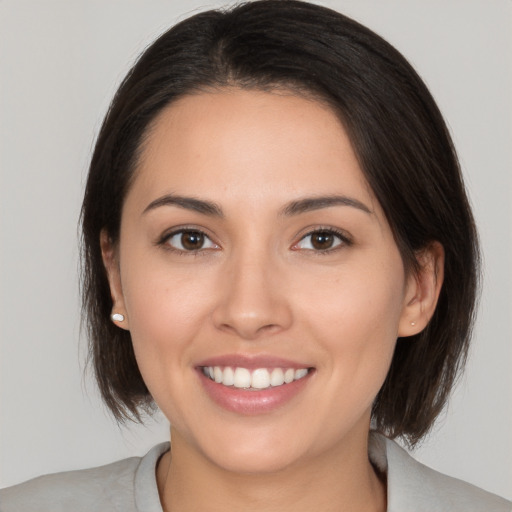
(110, 487)
(414, 486)
(87, 489)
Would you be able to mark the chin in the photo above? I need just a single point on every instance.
(264, 462)
(251, 450)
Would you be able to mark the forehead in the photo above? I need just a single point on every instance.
(239, 144)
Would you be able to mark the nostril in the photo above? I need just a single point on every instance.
(250, 330)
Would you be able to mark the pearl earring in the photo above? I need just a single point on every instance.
(117, 317)
(413, 323)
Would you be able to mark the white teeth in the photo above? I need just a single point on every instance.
(301, 372)
(217, 374)
(242, 378)
(260, 378)
(228, 376)
(277, 377)
(289, 375)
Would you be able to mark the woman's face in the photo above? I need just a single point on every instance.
(252, 251)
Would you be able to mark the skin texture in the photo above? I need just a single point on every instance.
(257, 286)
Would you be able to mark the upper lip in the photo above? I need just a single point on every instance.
(252, 362)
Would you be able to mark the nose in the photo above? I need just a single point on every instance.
(254, 300)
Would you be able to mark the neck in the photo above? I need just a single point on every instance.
(341, 480)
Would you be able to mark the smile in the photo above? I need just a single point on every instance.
(253, 379)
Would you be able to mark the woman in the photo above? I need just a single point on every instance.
(274, 226)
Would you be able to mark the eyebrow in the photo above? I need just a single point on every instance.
(297, 207)
(309, 204)
(188, 203)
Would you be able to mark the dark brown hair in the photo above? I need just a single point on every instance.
(398, 134)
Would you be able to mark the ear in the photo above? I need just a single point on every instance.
(111, 263)
(422, 290)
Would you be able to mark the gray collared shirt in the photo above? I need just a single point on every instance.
(130, 485)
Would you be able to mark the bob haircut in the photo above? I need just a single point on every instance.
(400, 139)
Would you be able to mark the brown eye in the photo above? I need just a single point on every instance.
(190, 241)
(321, 241)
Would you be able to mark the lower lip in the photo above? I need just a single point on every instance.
(249, 402)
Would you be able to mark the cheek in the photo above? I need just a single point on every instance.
(166, 309)
(355, 316)
(160, 296)
(362, 298)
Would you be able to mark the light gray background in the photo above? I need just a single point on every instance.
(60, 64)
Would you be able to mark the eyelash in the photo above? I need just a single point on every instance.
(343, 238)
(343, 241)
(166, 237)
